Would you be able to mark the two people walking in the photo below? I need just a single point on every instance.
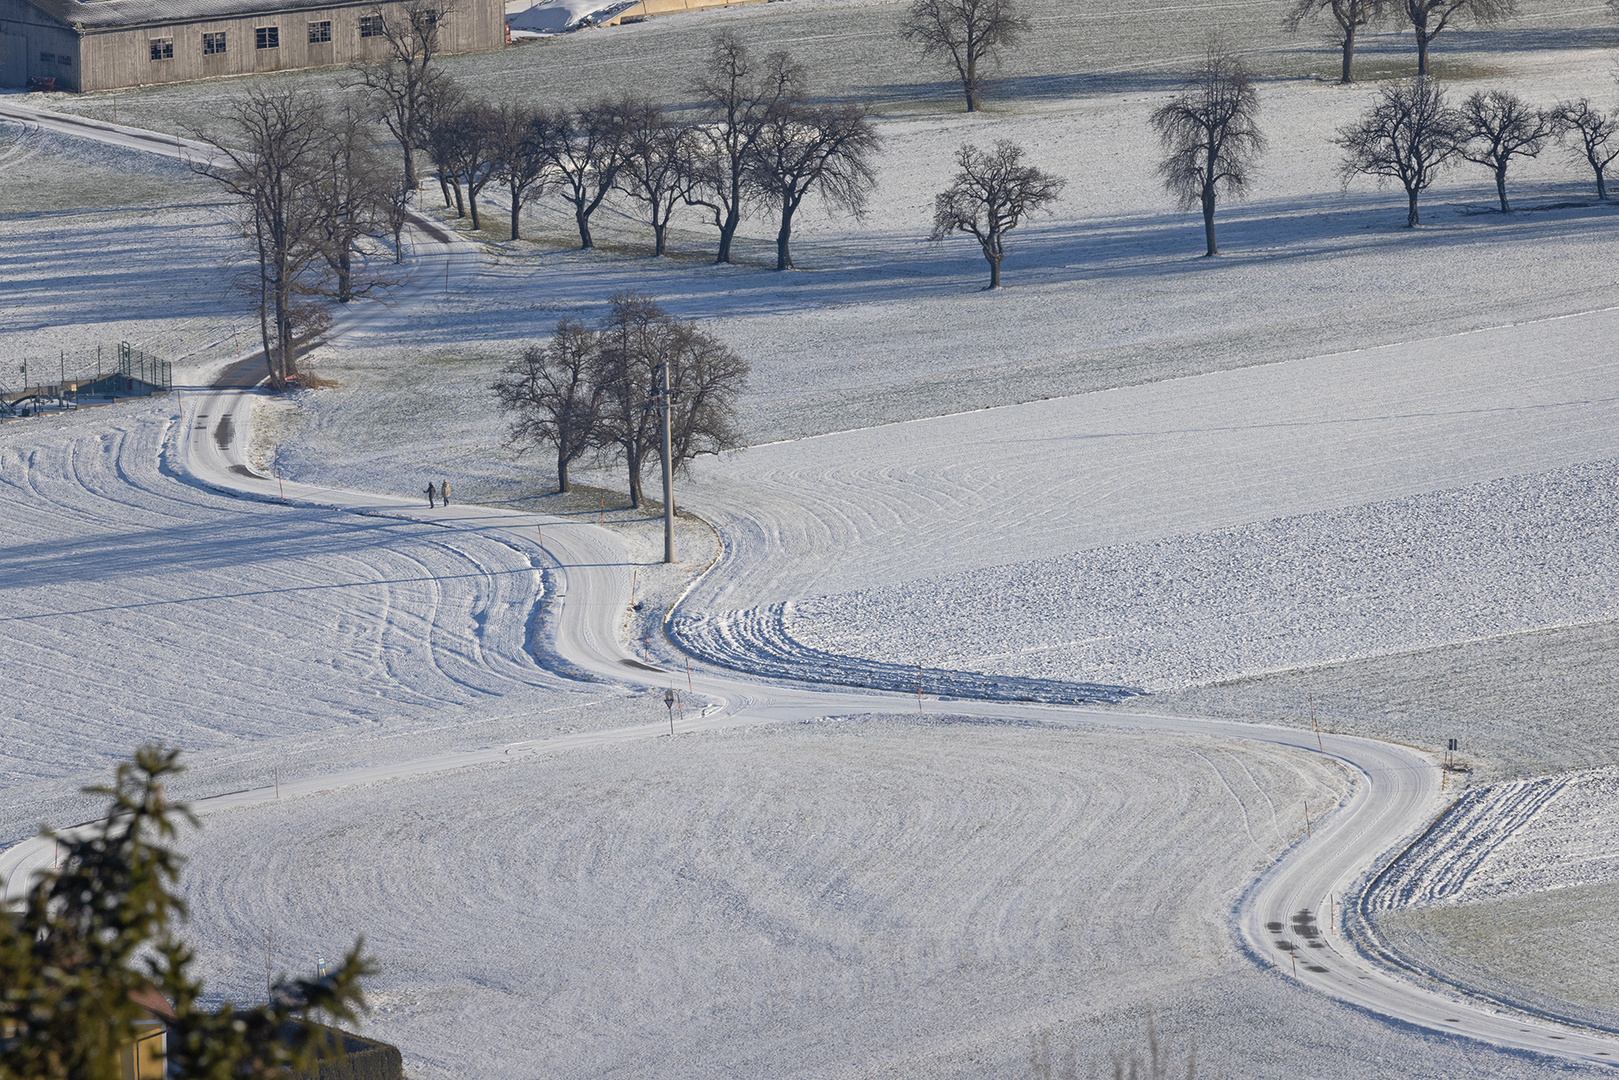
(442, 492)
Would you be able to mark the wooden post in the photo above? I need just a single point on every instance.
(1307, 831)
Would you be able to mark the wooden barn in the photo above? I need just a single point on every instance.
(89, 45)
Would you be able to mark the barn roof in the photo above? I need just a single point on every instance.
(112, 14)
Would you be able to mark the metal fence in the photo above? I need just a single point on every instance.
(31, 385)
(135, 363)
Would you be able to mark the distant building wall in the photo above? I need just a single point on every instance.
(34, 45)
(181, 51)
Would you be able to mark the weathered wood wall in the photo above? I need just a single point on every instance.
(114, 58)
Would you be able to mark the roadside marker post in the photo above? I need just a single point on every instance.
(1308, 832)
(669, 704)
(688, 673)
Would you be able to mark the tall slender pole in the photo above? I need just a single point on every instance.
(668, 474)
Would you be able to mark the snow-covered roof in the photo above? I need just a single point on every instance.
(112, 14)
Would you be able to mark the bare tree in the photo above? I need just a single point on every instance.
(465, 142)
(991, 194)
(1211, 138)
(519, 156)
(707, 377)
(355, 194)
(587, 147)
(737, 93)
(803, 148)
(972, 33)
(441, 101)
(1409, 136)
(659, 165)
(637, 339)
(270, 149)
(1497, 126)
(400, 84)
(1429, 17)
(1595, 130)
(553, 396)
(633, 339)
(1349, 15)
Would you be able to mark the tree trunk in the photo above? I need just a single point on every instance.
(1422, 54)
(460, 206)
(994, 270)
(1602, 185)
(784, 235)
(1208, 222)
(264, 320)
(345, 276)
(969, 84)
(517, 208)
(562, 471)
(635, 484)
(1349, 57)
(733, 218)
(1501, 188)
(472, 204)
(444, 189)
(410, 163)
(1411, 215)
(660, 231)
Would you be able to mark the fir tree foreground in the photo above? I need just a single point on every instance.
(101, 927)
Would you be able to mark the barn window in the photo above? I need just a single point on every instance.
(50, 58)
(162, 48)
(320, 32)
(213, 44)
(64, 59)
(267, 37)
(370, 26)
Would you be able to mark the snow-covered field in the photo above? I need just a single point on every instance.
(1343, 460)
(1511, 896)
(857, 896)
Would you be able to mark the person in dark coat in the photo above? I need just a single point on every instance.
(430, 502)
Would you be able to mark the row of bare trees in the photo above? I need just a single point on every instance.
(973, 36)
(317, 208)
(1212, 145)
(595, 391)
(1413, 133)
(756, 142)
(1426, 19)
(321, 211)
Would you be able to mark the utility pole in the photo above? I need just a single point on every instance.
(663, 402)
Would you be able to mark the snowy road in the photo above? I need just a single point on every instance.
(589, 585)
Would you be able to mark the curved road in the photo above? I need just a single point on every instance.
(1278, 920)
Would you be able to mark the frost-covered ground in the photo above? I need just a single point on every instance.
(258, 637)
(854, 897)
(1512, 895)
(100, 245)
